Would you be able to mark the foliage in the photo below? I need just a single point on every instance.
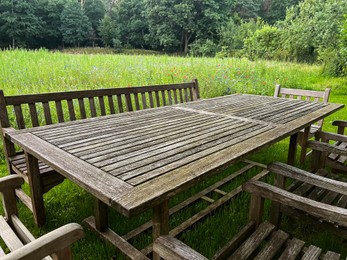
(75, 25)
(203, 48)
(263, 44)
(174, 24)
(232, 35)
(130, 20)
(310, 26)
(19, 22)
(109, 31)
(95, 11)
(343, 43)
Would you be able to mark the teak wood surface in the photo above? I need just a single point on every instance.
(138, 160)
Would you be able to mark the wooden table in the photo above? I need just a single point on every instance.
(138, 160)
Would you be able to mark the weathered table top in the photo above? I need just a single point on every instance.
(133, 161)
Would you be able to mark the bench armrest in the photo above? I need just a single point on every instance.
(168, 247)
(52, 242)
(266, 191)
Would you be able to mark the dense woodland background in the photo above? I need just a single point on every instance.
(293, 30)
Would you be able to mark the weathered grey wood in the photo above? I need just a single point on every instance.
(33, 114)
(111, 104)
(47, 113)
(170, 248)
(253, 241)
(10, 238)
(82, 108)
(60, 112)
(309, 206)
(312, 253)
(102, 106)
(54, 241)
(71, 97)
(19, 116)
(318, 96)
(92, 106)
(101, 215)
(292, 249)
(237, 240)
(21, 231)
(160, 222)
(277, 240)
(36, 189)
(71, 110)
(116, 240)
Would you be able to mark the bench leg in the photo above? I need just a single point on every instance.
(101, 215)
(36, 189)
(160, 222)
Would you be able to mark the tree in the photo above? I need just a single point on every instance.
(174, 23)
(18, 21)
(95, 11)
(109, 32)
(75, 25)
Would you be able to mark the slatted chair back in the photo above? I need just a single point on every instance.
(302, 94)
(27, 111)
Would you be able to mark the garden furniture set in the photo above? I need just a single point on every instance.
(137, 161)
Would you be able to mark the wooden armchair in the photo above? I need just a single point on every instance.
(20, 241)
(329, 188)
(261, 240)
(308, 95)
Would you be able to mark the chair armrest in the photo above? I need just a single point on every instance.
(10, 182)
(331, 136)
(325, 147)
(304, 176)
(312, 207)
(169, 247)
(341, 123)
(50, 243)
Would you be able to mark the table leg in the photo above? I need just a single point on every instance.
(275, 213)
(293, 143)
(36, 189)
(304, 144)
(160, 222)
(101, 215)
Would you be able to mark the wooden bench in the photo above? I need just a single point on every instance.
(306, 95)
(25, 111)
(261, 240)
(20, 242)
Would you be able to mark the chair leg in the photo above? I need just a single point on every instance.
(36, 189)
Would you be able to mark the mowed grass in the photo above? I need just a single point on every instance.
(42, 71)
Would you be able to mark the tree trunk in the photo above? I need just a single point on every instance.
(187, 37)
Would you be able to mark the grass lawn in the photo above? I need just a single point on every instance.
(42, 71)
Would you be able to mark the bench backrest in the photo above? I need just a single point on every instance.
(25, 111)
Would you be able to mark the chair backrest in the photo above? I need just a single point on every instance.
(25, 111)
(302, 94)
